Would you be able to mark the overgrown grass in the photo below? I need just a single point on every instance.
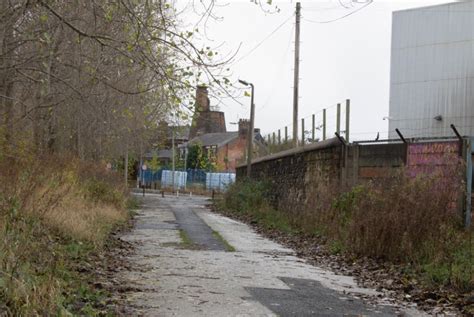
(54, 213)
(404, 220)
(251, 199)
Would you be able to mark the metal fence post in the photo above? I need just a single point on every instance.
(348, 118)
(302, 131)
(468, 213)
(324, 124)
(338, 119)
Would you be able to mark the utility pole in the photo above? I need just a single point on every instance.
(297, 74)
(186, 164)
(172, 156)
(250, 134)
(251, 128)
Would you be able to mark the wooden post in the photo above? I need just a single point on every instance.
(324, 124)
(313, 128)
(279, 137)
(302, 131)
(296, 74)
(338, 119)
(348, 118)
(286, 134)
(274, 138)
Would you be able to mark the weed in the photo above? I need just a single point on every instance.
(336, 247)
(186, 242)
(403, 220)
(228, 246)
(54, 212)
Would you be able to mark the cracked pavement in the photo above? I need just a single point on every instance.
(261, 278)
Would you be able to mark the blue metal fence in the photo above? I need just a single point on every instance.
(194, 176)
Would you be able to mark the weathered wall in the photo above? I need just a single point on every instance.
(294, 174)
(229, 155)
(432, 157)
(207, 122)
(301, 177)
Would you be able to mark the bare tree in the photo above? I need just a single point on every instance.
(93, 77)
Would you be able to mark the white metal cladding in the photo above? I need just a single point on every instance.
(432, 70)
(179, 179)
(219, 181)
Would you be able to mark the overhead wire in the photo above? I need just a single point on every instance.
(277, 75)
(341, 17)
(264, 40)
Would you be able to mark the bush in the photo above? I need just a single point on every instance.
(404, 220)
(247, 196)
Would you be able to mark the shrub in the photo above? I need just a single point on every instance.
(402, 219)
(247, 196)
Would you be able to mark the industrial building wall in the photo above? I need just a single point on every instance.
(432, 71)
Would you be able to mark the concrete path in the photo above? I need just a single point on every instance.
(184, 268)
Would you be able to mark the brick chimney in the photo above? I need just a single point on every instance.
(202, 99)
(205, 120)
(244, 125)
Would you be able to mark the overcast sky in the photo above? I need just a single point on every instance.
(349, 58)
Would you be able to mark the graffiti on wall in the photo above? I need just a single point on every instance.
(428, 158)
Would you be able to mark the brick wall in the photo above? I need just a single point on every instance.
(298, 177)
(231, 154)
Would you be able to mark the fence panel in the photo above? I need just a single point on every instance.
(179, 179)
(219, 181)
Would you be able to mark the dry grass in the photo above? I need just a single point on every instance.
(51, 211)
(405, 220)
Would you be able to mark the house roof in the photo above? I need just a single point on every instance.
(219, 139)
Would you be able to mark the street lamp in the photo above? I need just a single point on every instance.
(250, 132)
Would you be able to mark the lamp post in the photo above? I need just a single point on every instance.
(250, 132)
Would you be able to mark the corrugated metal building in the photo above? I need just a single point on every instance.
(432, 71)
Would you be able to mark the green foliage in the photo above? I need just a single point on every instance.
(453, 268)
(336, 247)
(345, 203)
(197, 159)
(132, 161)
(246, 196)
(251, 198)
(154, 164)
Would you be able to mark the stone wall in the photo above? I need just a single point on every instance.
(301, 177)
(294, 174)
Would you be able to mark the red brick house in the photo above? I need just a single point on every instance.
(228, 149)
